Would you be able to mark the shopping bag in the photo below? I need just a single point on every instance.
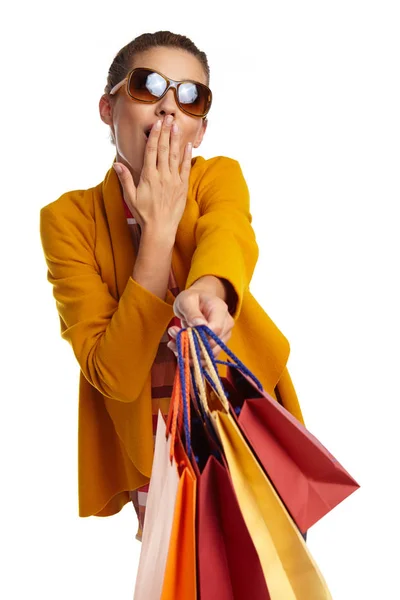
(169, 526)
(307, 477)
(180, 572)
(160, 508)
(289, 569)
(180, 578)
(228, 566)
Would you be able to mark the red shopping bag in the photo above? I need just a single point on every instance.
(308, 478)
(229, 567)
(289, 569)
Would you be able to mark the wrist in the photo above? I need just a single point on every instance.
(217, 286)
(158, 234)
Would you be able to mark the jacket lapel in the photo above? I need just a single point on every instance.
(121, 239)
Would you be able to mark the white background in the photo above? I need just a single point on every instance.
(306, 98)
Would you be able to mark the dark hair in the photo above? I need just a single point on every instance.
(122, 62)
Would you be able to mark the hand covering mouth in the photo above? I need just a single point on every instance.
(148, 128)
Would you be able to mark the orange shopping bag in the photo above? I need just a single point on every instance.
(180, 573)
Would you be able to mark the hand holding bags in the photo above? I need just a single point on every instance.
(289, 569)
(309, 480)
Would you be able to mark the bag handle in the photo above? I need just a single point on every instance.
(193, 340)
(237, 363)
(197, 374)
(180, 398)
(211, 372)
(200, 372)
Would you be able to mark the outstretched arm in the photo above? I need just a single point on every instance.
(226, 252)
(226, 245)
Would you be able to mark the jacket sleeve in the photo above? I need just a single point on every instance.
(226, 245)
(114, 342)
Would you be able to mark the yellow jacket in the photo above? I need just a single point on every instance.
(114, 325)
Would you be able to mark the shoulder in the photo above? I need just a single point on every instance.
(218, 179)
(70, 202)
(215, 167)
(69, 216)
(73, 206)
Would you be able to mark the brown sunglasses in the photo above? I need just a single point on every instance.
(149, 86)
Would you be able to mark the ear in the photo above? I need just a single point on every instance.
(105, 109)
(200, 135)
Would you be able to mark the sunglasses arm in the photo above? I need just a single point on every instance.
(116, 87)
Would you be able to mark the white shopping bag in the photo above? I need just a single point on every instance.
(160, 508)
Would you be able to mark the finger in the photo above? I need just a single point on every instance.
(127, 184)
(188, 310)
(173, 331)
(163, 145)
(216, 348)
(220, 321)
(150, 154)
(186, 163)
(174, 153)
(184, 324)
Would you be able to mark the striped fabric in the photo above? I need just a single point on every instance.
(162, 376)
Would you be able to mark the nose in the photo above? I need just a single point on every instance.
(167, 105)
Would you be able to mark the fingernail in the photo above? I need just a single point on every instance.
(168, 119)
(118, 169)
(198, 321)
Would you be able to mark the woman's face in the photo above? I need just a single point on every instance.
(129, 119)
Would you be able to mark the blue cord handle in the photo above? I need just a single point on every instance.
(203, 371)
(183, 388)
(182, 378)
(202, 330)
(237, 363)
(204, 415)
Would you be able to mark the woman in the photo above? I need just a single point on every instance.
(164, 242)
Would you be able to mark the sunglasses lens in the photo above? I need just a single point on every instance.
(146, 86)
(194, 97)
